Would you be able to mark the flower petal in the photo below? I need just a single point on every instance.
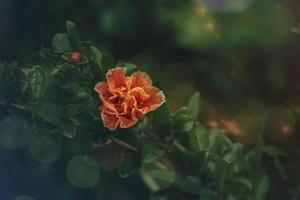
(139, 94)
(110, 120)
(140, 79)
(129, 104)
(116, 79)
(102, 89)
(127, 121)
(156, 99)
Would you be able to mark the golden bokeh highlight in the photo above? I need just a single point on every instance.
(279, 123)
(244, 127)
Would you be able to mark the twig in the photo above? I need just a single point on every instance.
(13, 105)
(123, 144)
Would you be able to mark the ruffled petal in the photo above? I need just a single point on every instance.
(127, 121)
(116, 80)
(102, 89)
(139, 94)
(139, 79)
(156, 99)
(110, 120)
(129, 104)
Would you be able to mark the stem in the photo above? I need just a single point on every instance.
(179, 146)
(221, 187)
(123, 144)
(13, 105)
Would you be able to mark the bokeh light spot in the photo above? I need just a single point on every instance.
(180, 95)
(244, 127)
(14, 132)
(279, 123)
(45, 146)
(83, 171)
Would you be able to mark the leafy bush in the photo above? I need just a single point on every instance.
(167, 150)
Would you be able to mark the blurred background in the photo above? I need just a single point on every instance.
(243, 56)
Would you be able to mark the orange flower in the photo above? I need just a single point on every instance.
(126, 100)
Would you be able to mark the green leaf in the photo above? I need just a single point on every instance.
(80, 91)
(74, 37)
(199, 138)
(6, 72)
(235, 152)
(129, 66)
(96, 56)
(127, 168)
(274, 151)
(161, 118)
(243, 181)
(61, 43)
(218, 143)
(67, 129)
(207, 193)
(188, 184)
(193, 105)
(262, 188)
(45, 110)
(280, 168)
(107, 62)
(62, 68)
(150, 151)
(182, 121)
(38, 81)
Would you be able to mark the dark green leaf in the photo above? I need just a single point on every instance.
(61, 43)
(62, 68)
(45, 110)
(161, 118)
(199, 138)
(280, 167)
(218, 143)
(80, 91)
(188, 184)
(243, 181)
(96, 56)
(193, 105)
(38, 81)
(274, 151)
(129, 66)
(262, 188)
(6, 72)
(107, 62)
(150, 151)
(235, 151)
(73, 36)
(182, 121)
(127, 168)
(67, 128)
